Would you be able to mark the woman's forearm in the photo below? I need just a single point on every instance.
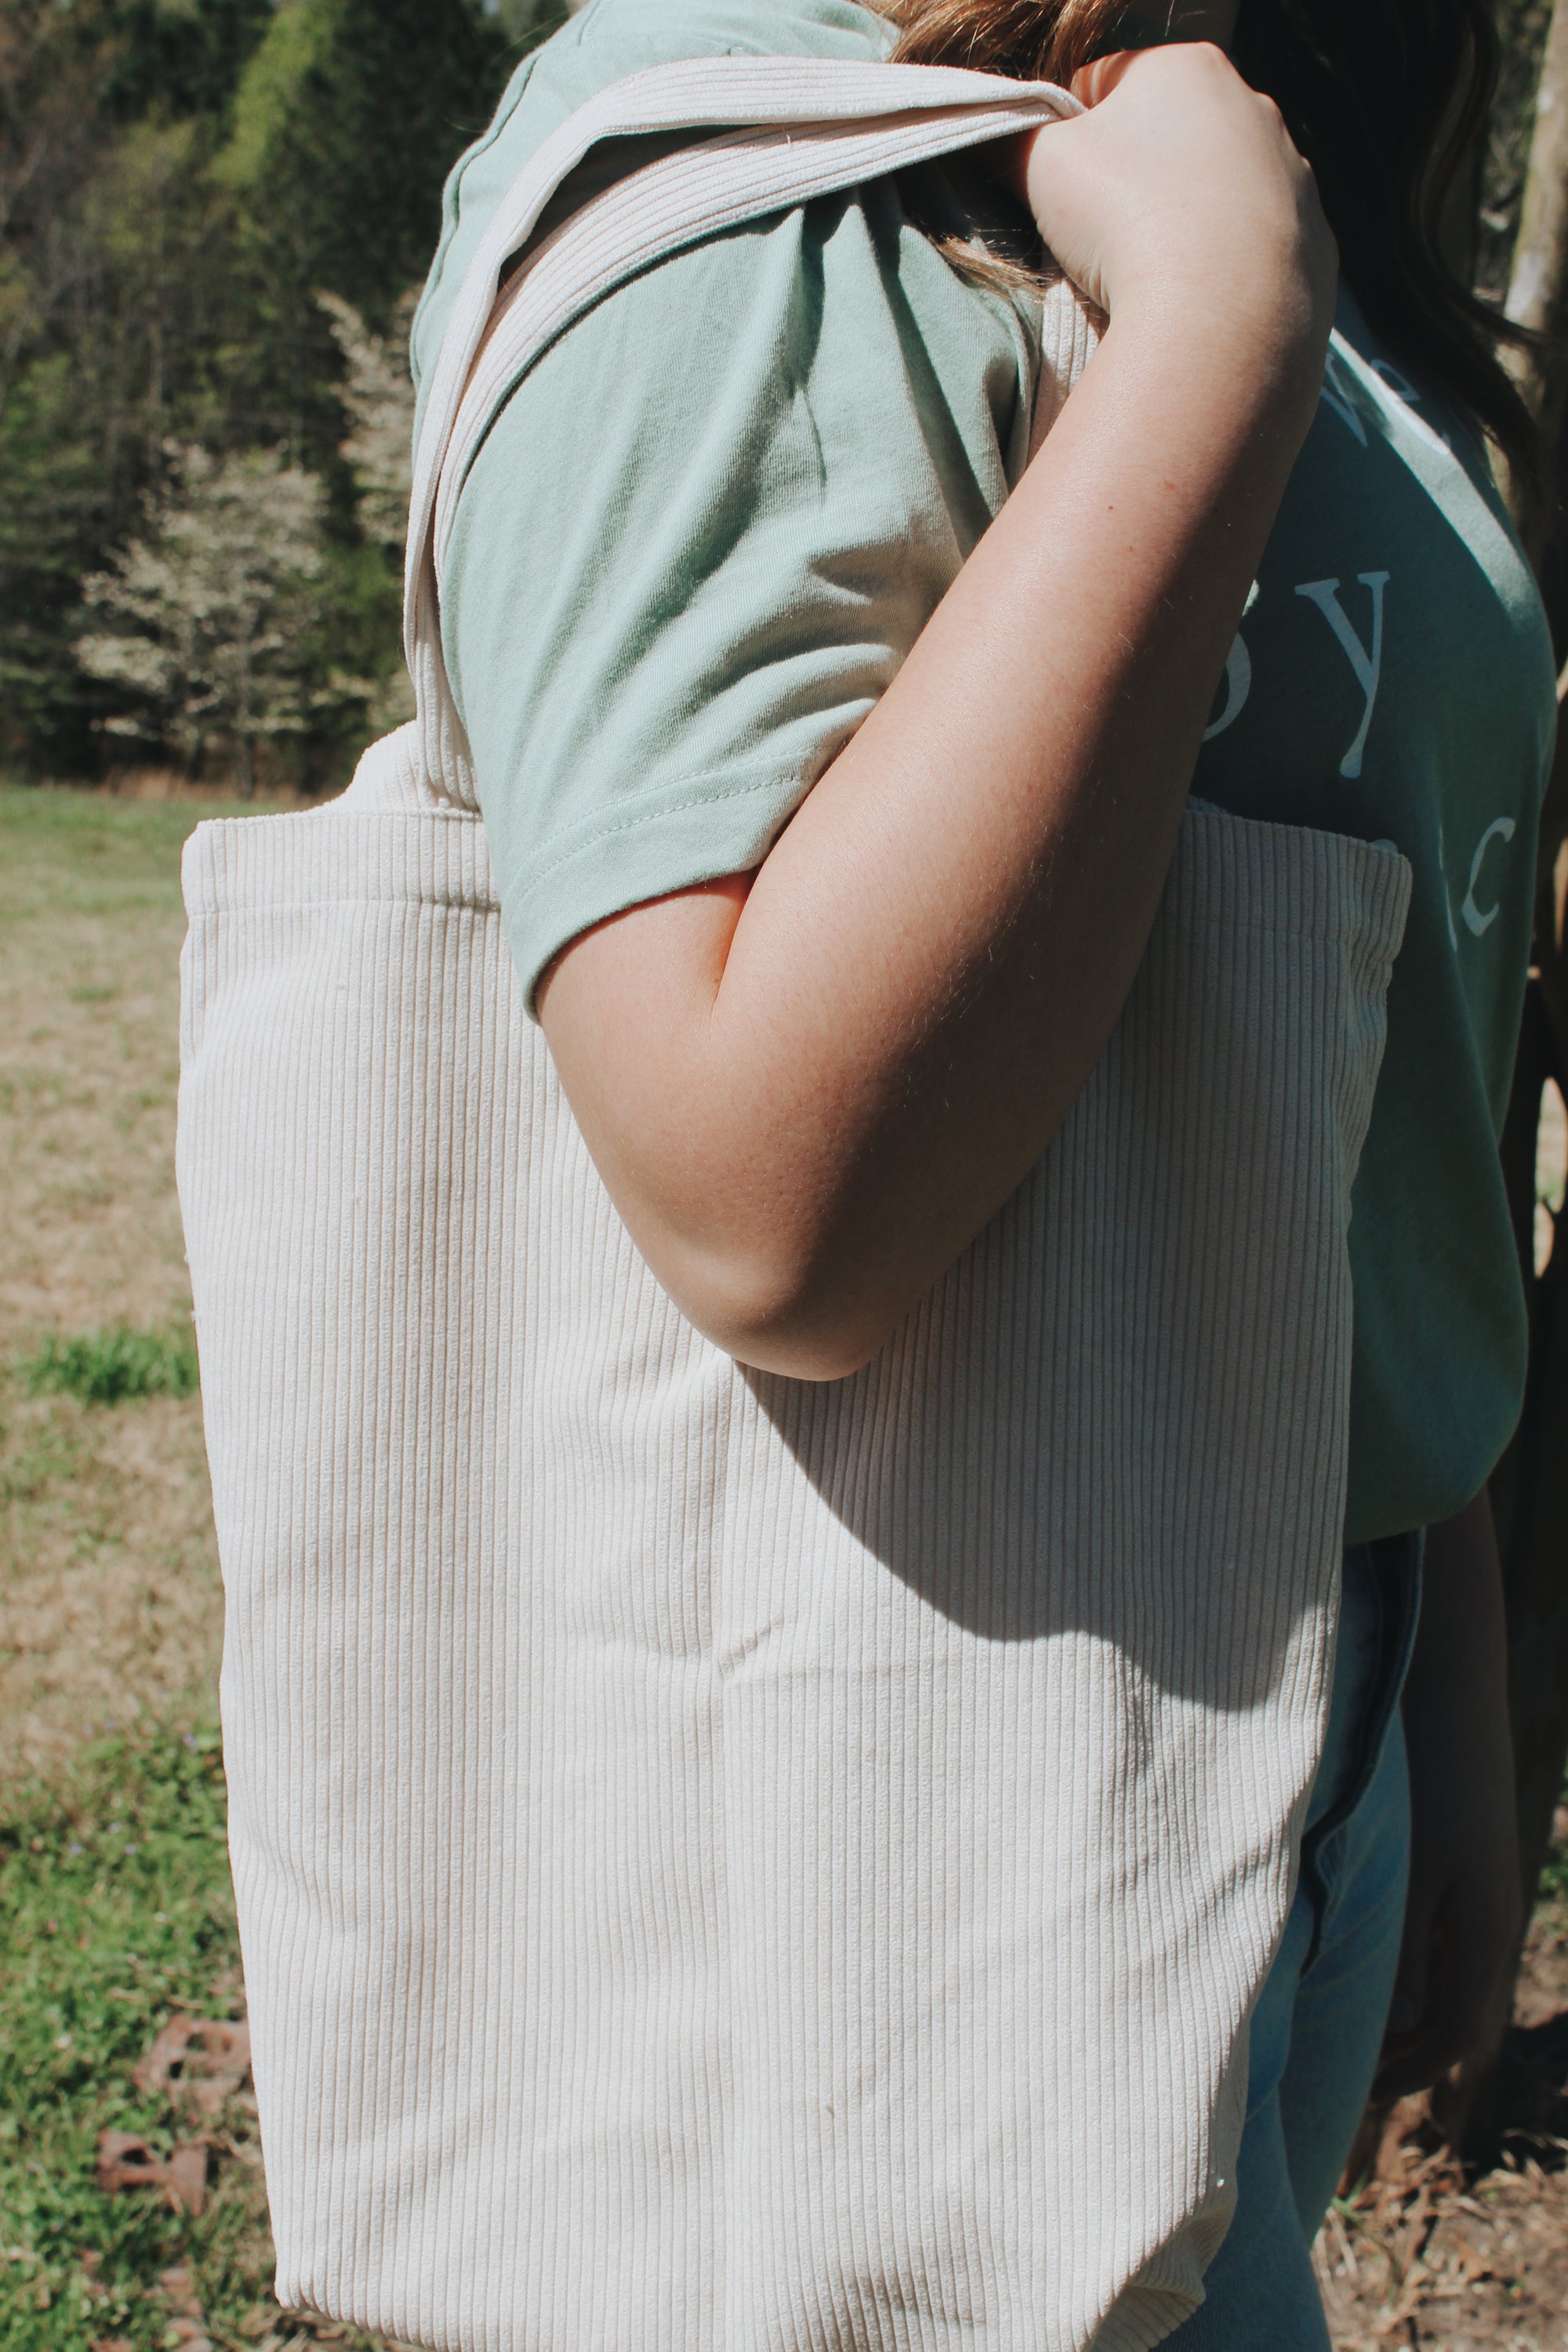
(807, 1093)
(806, 1100)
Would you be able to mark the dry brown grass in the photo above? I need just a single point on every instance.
(110, 1598)
(1462, 2268)
(1425, 2254)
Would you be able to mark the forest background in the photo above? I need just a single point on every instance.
(214, 218)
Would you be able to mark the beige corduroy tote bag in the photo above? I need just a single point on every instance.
(727, 1864)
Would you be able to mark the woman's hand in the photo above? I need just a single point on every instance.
(1463, 1913)
(1181, 184)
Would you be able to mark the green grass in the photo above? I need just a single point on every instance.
(75, 853)
(65, 852)
(1553, 1887)
(107, 1366)
(115, 1912)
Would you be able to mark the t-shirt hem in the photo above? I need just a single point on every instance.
(672, 839)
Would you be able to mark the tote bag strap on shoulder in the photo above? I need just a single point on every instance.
(801, 127)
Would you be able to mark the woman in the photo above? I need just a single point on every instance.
(912, 722)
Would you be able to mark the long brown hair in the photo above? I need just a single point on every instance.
(1383, 98)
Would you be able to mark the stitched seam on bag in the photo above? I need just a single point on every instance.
(1363, 935)
(1367, 934)
(1345, 935)
(633, 822)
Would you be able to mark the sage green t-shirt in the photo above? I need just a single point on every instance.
(709, 524)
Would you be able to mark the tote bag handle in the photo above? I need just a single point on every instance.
(808, 126)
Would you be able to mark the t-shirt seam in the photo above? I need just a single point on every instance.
(636, 821)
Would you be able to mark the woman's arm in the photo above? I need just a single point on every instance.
(808, 1089)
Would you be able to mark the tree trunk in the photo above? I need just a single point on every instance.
(1538, 285)
(1529, 1486)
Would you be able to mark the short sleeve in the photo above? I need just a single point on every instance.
(700, 538)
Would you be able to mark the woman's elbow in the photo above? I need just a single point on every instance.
(773, 1308)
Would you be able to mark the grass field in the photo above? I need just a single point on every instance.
(116, 1912)
(109, 1589)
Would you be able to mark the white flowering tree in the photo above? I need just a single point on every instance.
(206, 621)
(377, 395)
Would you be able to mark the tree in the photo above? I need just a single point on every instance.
(1529, 1486)
(205, 623)
(346, 125)
(377, 396)
(1539, 277)
(177, 180)
(117, 300)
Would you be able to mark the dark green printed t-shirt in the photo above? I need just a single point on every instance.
(712, 519)
(1392, 678)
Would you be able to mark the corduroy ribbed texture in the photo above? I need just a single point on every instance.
(727, 1864)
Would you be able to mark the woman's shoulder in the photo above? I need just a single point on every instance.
(602, 44)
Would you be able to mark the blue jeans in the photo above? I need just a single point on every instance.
(1319, 2023)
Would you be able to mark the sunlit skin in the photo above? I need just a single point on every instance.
(809, 1088)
